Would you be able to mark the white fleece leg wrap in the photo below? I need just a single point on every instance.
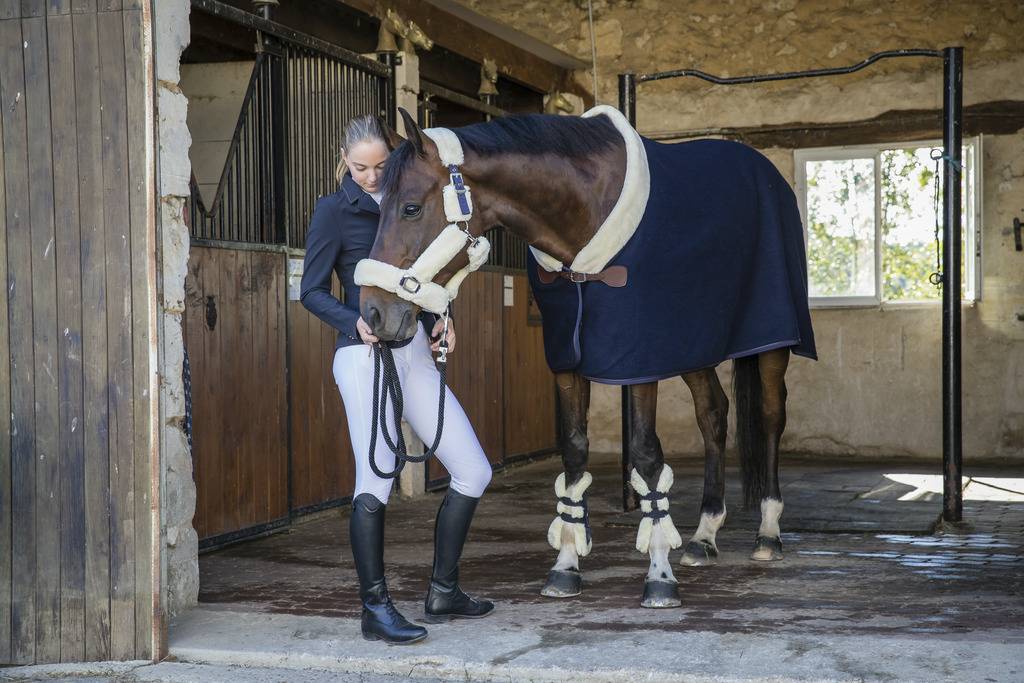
(571, 506)
(655, 510)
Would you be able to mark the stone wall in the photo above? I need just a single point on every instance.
(875, 390)
(180, 570)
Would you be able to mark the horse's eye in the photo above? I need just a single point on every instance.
(411, 210)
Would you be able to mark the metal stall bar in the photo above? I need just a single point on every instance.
(952, 245)
(952, 119)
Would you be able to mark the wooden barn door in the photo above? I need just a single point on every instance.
(79, 511)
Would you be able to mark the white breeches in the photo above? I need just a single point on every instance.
(459, 450)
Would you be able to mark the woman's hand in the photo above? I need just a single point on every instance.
(436, 334)
(365, 332)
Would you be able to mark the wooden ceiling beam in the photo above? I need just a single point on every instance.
(459, 36)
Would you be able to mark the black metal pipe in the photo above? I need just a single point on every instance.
(952, 246)
(627, 105)
(789, 75)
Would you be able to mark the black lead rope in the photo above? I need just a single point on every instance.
(392, 387)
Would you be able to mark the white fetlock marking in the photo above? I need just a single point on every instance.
(661, 566)
(647, 525)
(771, 511)
(568, 558)
(707, 530)
(560, 526)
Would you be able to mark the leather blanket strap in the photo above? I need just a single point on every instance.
(613, 276)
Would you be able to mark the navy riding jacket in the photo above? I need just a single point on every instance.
(341, 233)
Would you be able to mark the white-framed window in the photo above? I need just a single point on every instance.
(869, 222)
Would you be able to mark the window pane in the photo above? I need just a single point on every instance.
(841, 227)
(908, 222)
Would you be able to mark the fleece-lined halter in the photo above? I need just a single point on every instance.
(415, 284)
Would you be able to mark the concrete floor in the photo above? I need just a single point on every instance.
(866, 591)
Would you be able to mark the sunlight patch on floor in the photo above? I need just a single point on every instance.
(994, 489)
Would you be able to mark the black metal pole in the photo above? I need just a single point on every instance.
(627, 105)
(952, 409)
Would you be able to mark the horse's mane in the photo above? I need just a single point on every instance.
(529, 134)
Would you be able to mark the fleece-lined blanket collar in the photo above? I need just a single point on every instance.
(624, 217)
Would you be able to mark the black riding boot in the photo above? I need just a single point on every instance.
(445, 599)
(381, 621)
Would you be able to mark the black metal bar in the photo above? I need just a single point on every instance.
(627, 105)
(458, 98)
(258, 23)
(789, 75)
(251, 533)
(387, 89)
(952, 246)
(279, 122)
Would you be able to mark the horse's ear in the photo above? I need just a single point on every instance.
(413, 132)
(391, 137)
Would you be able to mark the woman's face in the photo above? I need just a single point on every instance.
(365, 162)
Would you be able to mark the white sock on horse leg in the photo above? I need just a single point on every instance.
(568, 558)
(708, 528)
(771, 511)
(661, 566)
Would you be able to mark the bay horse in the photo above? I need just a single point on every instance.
(648, 261)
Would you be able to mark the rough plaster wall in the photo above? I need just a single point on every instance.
(875, 389)
(181, 545)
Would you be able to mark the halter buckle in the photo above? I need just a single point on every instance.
(407, 278)
(577, 278)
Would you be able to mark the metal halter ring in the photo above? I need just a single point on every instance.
(464, 227)
(403, 285)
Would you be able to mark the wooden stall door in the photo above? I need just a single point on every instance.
(78, 376)
(529, 385)
(323, 470)
(475, 367)
(234, 333)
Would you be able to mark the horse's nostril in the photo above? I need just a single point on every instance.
(374, 321)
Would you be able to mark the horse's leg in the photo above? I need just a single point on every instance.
(712, 408)
(652, 479)
(772, 366)
(569, 532)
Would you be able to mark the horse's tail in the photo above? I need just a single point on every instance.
(750, 438)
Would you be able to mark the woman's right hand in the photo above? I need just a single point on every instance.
(365, 332)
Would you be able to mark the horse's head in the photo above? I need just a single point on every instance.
(412, 216)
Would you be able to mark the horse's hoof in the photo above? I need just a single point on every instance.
(661, 594)
(562, 584)
(699, 554)
(767, 549)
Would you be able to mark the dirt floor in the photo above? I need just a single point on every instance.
(861, 561)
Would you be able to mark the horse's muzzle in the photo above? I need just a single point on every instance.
(389, 317)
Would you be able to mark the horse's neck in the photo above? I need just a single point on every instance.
(555, 204)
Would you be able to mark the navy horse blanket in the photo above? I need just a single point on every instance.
(716, 270)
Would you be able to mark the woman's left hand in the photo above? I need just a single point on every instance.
(436, 334)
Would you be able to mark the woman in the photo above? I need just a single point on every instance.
(341, 233)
